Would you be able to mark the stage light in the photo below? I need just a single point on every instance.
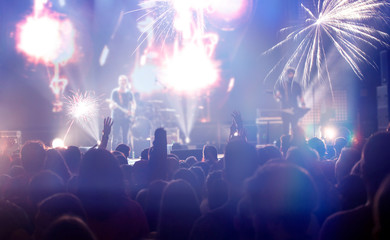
(329, 133)
(58, 143)
(230, 9)
(188, 140)
(62, 3)
(46, 38)
(189, 69)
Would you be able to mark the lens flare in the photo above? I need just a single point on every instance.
(46, 38)
(57, 143)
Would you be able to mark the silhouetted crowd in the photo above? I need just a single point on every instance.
(295, 190)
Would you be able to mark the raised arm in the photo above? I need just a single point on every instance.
(237, 128)
(107, 125)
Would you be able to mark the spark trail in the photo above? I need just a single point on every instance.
(347, 25)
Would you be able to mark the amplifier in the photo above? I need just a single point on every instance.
(10, 141)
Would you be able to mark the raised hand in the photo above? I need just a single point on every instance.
(107, 125)
(237, 120)
(237, 128)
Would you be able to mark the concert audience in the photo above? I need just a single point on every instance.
(358, 223)
(270, 194)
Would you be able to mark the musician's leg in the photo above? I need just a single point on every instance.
(286, 123)
(294, 122)
(115, 134)
(125, 131)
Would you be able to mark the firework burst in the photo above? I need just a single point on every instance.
(82, 107)
(346, 24)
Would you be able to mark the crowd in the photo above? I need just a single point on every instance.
(297, 190)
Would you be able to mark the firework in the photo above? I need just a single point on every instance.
(346, 24)
(82, 107)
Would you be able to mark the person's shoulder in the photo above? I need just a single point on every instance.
(352, 214)
(115, 90)
(343, 223)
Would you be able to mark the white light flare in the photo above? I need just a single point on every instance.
(189, 70)
(330, 133)
(58, 143)
(46, 38)
(228, 9)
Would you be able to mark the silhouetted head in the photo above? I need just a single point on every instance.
(69, 228)
(304, 157)
(100, 183)
(318, 145)
(283, 196)
(123, 148)
(54, 207)
(290, 73)
(120, 157)
(347, 159)
(382, 211)
(339, 144)
(43, 185)
(240, 162)
(210, 153)
(190, 177)
(72, 157)
(56, 163)
(153, 200)
(145, 154)
(191, 160)
(14, 221)
(267, 153)
(375, 163)
(217, 189)
(33, 156)
(100, 172)
(179, 209)
(352, 192)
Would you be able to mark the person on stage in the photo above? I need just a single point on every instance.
(122, 106)
(289, 93)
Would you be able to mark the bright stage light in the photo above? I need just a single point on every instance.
(229, 9)
(58, 143)
(229, 14)
(330, 133)
(189, 70)
(46, 38)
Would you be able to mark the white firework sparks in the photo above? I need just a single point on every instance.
(82, 106)
(169, 20)
(346, 24)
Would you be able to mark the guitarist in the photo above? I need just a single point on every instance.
(122, 106)
(289, 92)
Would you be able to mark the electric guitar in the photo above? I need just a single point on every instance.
(115, 105)
(297, 112)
